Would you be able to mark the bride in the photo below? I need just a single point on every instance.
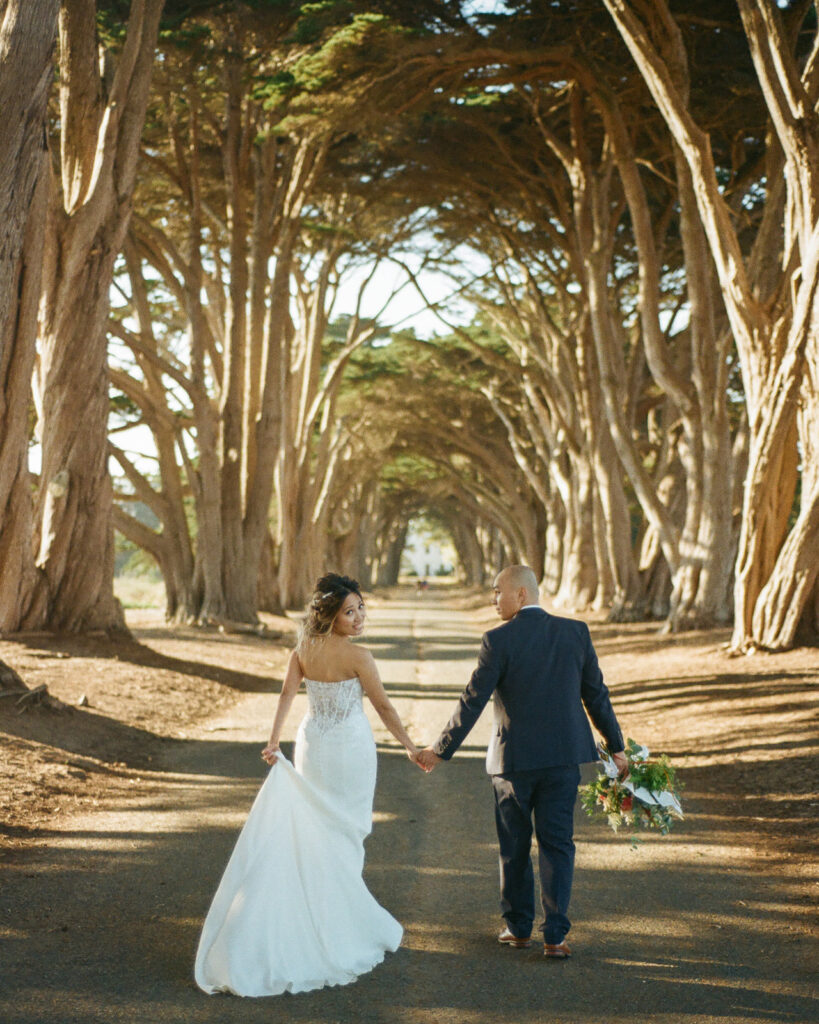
(292, 912)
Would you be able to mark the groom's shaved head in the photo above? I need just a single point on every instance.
(520, 576)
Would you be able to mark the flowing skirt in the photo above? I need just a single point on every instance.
(292, 912)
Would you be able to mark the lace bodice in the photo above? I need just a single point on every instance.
(331, 703)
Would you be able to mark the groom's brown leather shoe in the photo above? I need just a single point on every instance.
(508, 939)
(556, 950)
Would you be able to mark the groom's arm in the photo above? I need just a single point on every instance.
(595, 696)
(472, 701)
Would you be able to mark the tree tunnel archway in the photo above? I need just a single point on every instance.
(631, 403)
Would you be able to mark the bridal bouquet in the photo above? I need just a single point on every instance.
(648, 797)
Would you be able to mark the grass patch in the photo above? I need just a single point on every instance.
(139, 592)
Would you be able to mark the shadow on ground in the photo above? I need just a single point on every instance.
(135, 652)
(100, 925)
(113, 934)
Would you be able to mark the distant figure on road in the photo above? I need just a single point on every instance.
(541, 671)
(292, 912)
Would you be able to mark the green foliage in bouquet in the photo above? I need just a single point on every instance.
(648, 797)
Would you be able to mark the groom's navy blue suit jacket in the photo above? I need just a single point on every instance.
(540, 671)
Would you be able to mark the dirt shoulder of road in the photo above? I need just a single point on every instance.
(742, 730)
(111, 704)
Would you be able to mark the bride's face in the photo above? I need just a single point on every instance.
(350, 618)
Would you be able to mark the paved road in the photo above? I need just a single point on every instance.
(102, 921)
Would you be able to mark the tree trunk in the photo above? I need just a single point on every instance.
(469, 552)
(771, 330)
(708, 535)
(579, 578)
(704, 541)
(783, 600)
(268, 588)
(553, 561)
(619, 584)
(27, 34)
(787, 600)
(183, 597)
(627, 599)
(86, 227)
(390, 562)
(656, 576)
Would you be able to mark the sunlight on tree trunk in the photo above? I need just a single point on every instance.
(27, 40)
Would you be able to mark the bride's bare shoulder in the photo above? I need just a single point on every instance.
(362, 658)
(311, 658)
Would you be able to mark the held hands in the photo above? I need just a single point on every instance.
(413, 753)
(427, 759)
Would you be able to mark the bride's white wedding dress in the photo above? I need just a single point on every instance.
(292, 912)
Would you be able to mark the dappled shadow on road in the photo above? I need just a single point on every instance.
(85, 734)
(74, 735)
(680, 690)
(663, 927)
(425, 692)
(703, 927)
(748, 742)
(640, 637)
(433, 648)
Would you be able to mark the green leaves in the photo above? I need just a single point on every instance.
(316, 18)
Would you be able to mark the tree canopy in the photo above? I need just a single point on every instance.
(620, 199)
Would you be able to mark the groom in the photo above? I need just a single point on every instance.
(541, 671)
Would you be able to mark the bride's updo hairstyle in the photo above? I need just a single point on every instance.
(331, 591)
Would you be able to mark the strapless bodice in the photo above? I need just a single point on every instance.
(332, 703)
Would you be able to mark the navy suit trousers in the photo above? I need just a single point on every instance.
(547, 795)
